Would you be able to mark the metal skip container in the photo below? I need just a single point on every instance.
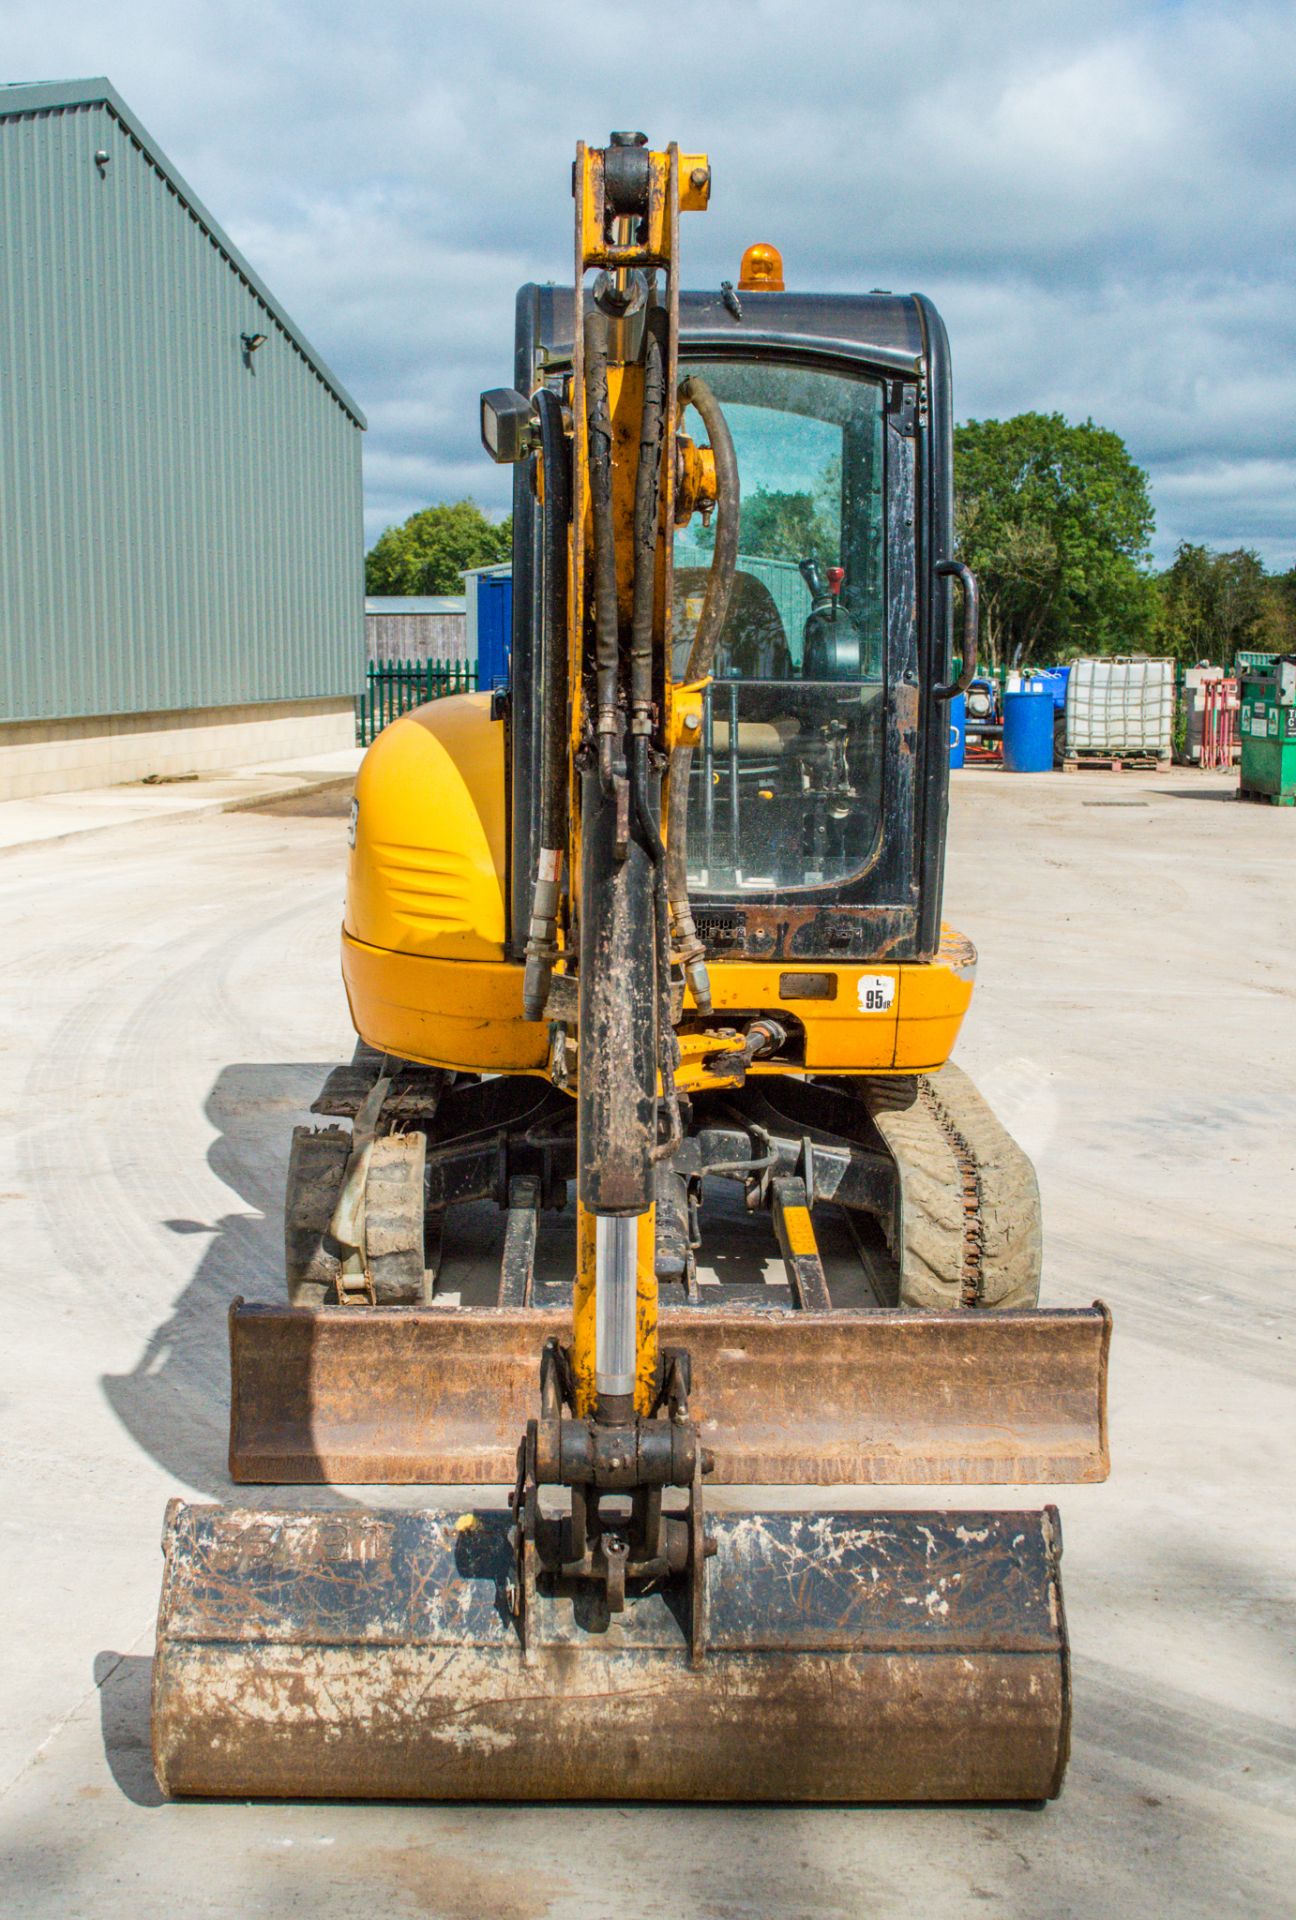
(1268, 716)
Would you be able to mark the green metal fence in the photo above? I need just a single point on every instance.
(394, 686)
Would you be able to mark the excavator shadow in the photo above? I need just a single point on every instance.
(174, 1402)
(123, 1682)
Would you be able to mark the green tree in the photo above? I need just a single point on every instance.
(1055, 521)
(1278, 620)
(1213, 603)
(429, 552)
(786, 526)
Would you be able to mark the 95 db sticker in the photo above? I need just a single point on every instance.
(876, 992)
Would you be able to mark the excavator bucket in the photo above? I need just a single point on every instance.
(820, 1656)
(842, 1656)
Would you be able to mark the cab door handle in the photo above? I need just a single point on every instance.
(955, 570)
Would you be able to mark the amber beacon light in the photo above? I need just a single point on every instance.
(761, 270)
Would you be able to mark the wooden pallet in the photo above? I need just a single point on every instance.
(1117, 762)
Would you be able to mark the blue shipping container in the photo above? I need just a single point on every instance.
(494, 628)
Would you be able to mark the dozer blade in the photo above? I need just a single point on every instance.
(370, 1654)
(438, 1396)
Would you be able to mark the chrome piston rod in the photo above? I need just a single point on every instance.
(615, 1261)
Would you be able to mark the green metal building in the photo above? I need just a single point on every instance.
(181, 543)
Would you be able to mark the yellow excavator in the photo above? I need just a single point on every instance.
(660, 918)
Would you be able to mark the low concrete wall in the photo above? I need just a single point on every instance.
(60, 756)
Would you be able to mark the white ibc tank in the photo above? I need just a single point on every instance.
(1116, 705)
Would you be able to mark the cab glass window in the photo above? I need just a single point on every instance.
(787, 786)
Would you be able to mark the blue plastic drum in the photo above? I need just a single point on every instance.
(957, 729)
(1028, 732)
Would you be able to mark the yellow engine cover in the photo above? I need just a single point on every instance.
(428, 852)
(423, 942)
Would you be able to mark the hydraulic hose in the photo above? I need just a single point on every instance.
(715, 608)
(542, 945)
(647, 515)
(666, 1042)
(695, 392)
(647, 519)
(598, 420)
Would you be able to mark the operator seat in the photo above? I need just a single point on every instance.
(753, 644)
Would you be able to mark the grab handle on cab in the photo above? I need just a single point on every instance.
(955, 570)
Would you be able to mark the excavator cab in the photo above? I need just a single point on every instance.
(820, 778)
(647, 947)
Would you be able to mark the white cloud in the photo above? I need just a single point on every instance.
(1100, 198)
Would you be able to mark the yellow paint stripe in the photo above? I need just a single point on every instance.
(799, 1230)
(583, 1314)
(646, 1312)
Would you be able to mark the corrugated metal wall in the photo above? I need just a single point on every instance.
(177, 528)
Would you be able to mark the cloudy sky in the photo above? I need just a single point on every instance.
(1100, 195)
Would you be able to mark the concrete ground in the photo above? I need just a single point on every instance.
(57, 816)
(170, 999)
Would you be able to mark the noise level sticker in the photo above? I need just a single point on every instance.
(876, 992)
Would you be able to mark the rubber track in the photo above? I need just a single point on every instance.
(968, 1230)
(394, 1217)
